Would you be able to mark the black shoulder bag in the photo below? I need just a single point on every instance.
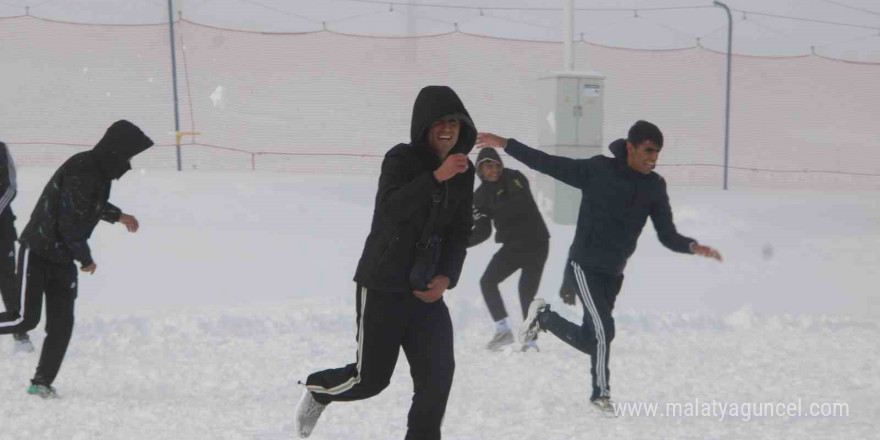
(427, 256)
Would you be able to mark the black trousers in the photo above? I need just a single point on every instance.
(597, 292)
(387, 321)
(8, 283)
(38, 276)
(530, 257)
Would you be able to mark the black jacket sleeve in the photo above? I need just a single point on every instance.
(457, 233)
(574, 172)
(482, 221)
(398, 199)
(76, 192)
(661, 216)
(7, 184)
(111, 213)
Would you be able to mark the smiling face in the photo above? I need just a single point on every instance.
(443, 135)
(642, 158)
(490, 170)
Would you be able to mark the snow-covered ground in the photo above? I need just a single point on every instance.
(238, 285)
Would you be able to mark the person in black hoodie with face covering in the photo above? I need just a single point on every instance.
(504, 198)
(425, 189)
(71, 205)
(618, 196)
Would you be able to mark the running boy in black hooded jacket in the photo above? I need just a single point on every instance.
(619, 195)
(391, 313)
(505, 199)
(71, 205)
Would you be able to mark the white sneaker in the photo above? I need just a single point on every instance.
(529, 329)
(308, 411)
(500, 340)
(606, 405)
(22, 343)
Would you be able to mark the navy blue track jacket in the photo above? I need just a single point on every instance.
(615, 205)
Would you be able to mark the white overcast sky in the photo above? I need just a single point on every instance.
(754, 34)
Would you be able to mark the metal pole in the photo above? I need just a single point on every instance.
(727, 104)
(174, 81)
(568, 32)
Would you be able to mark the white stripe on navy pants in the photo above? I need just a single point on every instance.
(597, 292)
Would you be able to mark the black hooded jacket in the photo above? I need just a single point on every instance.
(510, 205)
(403, 201)
(75, 198)
(615, 205)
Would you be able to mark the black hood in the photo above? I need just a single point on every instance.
(435, 102)
(488, 154)
(618, 149)
(122, 141)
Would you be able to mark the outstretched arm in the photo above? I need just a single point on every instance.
(661, 216)
(574, 172)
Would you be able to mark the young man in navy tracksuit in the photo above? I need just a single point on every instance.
(504, 198)
(619, 194)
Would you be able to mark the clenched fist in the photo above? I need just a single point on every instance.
(454, 164)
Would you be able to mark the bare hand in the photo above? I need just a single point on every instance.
(705, 251)
(130, 222)
(454, 164)
(436, 287)
(90, 268)
(490, 140)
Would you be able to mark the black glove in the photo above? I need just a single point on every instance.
(567, 295)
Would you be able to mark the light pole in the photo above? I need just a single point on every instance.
(727, 103)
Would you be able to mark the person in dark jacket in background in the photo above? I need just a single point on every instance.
(8, 236)
(504, 198)
(432, 172)
(71, 205)
(618, 196)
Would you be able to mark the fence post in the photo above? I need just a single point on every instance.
(174, 82)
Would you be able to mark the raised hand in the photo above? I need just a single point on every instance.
(454, 164)
(490, 140)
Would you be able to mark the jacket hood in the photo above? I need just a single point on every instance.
(618, 148)
(435, 102)
(122, 141)
(488, 154)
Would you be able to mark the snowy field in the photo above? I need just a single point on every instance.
(238, 285)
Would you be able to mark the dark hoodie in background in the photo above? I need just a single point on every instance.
(521, 230)
(77, 195)
(509, 204)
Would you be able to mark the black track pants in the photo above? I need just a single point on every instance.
(510, 258)
(38, 276)
(386, 322)
(597, 292)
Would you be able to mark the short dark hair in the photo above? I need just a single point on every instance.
(643, 131)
